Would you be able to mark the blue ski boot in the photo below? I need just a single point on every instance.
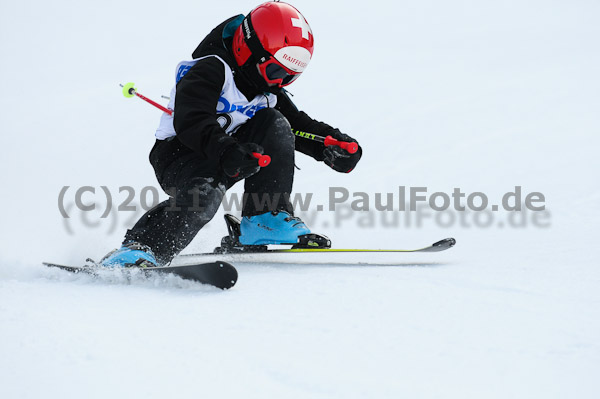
(271, 228)
(130, 254)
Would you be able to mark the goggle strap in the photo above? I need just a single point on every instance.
(251, 39)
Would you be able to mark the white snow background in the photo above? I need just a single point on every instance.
(479, 95)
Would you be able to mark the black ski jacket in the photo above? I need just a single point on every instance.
(198, 92)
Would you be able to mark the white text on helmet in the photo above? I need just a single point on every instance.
(247, 29)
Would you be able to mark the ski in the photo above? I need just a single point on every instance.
(307, 243)
(218, 274)
(438, 246)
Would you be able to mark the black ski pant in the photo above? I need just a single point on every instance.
(196, 185)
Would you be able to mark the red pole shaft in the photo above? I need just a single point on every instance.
(263, 160)
(157, 105)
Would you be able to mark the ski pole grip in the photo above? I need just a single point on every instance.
(263, 160)
(351, 147)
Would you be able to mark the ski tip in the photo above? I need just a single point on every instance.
(230, 275)
(442, 245)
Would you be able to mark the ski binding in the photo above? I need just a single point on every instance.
(231, 243)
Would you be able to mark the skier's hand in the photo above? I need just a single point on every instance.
(338, 159)
(238, 162)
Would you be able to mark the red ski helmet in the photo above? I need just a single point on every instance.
(276, 38)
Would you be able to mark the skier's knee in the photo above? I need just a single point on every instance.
(278, 125)
(269, 114)
(201, 195)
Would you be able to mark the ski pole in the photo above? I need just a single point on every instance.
(351, 147)
(129, 91)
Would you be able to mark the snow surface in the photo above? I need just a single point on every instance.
(481, 95)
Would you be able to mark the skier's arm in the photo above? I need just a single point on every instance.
(195, 118)
(334, 157)
(301, 121)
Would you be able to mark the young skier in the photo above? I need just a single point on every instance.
(229, 103)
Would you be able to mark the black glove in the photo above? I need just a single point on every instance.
(338, 159)
(238, 162)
